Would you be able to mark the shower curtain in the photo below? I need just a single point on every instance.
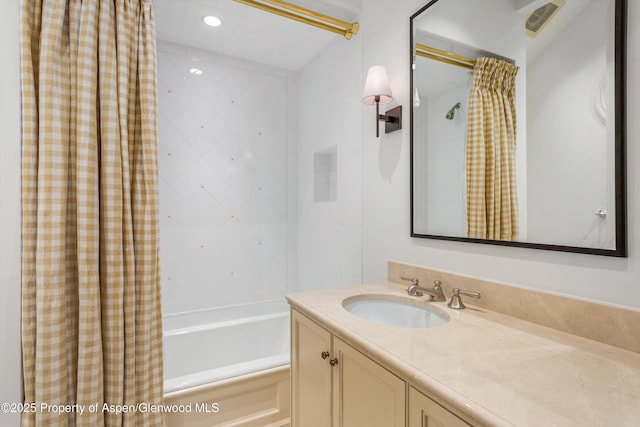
(492, 202)
(91, 317)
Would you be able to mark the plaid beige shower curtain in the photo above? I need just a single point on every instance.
(492, 200)
(91, 316)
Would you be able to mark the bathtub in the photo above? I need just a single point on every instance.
(215, 358)
(205, 353)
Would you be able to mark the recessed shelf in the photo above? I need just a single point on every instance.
(325, 180)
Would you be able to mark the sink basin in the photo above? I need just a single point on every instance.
(395, 311)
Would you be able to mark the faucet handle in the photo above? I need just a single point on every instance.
(456, 302)
(413, 280)
(412, 289)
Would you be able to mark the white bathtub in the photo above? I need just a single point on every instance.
(222, 349)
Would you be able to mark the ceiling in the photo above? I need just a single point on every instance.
(250, 33)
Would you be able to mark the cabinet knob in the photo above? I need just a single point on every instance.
(324, 354)
(333, 361)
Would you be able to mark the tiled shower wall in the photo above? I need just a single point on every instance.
(443, 152)
(330, 167)
(228, 191)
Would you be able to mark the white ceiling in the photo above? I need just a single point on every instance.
(250, 33)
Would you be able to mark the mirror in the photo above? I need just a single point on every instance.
(567, 187)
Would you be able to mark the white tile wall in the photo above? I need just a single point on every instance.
(238, 220)
(446, 139)
(227, 191)
(330, 118)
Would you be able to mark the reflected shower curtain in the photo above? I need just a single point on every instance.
(91, 316)
(492, 202)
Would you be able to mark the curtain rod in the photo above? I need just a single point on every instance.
(310, 17)
(444, 56)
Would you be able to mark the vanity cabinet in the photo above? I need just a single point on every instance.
(425, 412)
(333, 384)
(365, 393)
(310, 373)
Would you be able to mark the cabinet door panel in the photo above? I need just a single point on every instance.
(310, 373)
(424, 412)
(365, 393)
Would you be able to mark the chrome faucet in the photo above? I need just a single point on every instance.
(415, 290)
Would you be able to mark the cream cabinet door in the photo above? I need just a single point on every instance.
(365, 393)
(310, 373)
(424, 412)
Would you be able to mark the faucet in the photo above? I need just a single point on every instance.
(415, 290)
(456, 302)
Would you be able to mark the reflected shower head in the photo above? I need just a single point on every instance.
(452, 112)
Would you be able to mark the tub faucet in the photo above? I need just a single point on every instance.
(435, 293)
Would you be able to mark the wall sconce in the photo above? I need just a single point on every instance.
(377, 91)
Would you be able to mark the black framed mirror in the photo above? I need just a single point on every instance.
(564, 180)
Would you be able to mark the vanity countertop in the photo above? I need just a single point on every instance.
(494, 369)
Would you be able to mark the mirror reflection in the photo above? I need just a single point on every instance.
(516, 126)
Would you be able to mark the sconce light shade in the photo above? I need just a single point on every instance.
(378, 91)
(377, 85)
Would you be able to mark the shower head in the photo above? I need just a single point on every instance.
(452, 112)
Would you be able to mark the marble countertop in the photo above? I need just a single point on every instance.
(494, 369)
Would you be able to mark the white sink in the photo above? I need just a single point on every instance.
(395, 311)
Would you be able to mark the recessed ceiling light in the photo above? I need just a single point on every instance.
(196, 71)
(212, 21)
